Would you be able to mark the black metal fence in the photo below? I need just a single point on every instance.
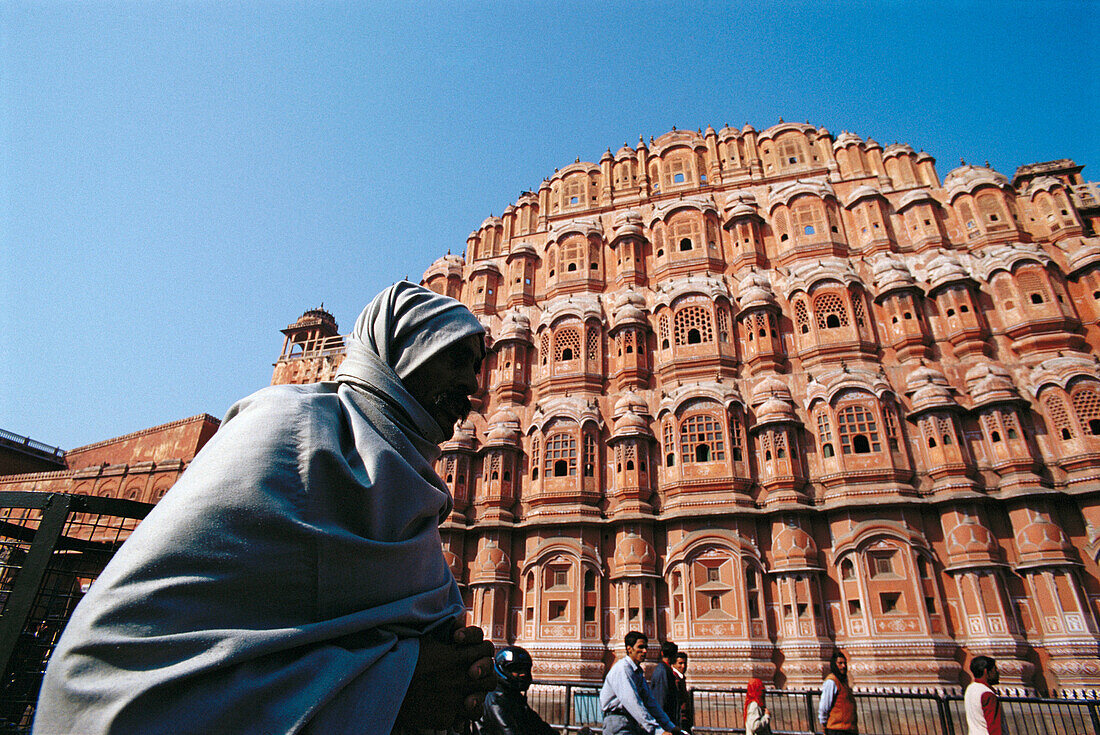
(570, 706)
(52, 546)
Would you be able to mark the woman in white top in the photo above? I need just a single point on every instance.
(757, 718)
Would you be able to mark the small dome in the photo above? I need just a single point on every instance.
(465, 438)
(504, 428)
(986, 382)
(1042, 540)
(770, 387)
(491, 561)
(1083, 251)
(966, 179)
(928, 388)
(898, 149)
(846, 139)
(792, 546)
(515, 326)
(633, 555)
(755, 290)
(318, 317)
(945, 268)
(453, 563)
(891, 274)
(972, 539)
(861, 192)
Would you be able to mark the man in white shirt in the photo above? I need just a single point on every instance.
(627, 703)
(983, 709)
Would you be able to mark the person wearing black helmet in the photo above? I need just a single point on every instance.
(506, 708)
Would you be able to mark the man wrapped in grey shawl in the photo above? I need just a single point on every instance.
(285, 582)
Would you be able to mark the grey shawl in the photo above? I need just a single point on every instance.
(281, 585)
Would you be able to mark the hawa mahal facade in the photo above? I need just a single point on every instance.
(765, 394)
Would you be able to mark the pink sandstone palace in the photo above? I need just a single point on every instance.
(764, 394)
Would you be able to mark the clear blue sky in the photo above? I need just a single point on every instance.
(180, 180)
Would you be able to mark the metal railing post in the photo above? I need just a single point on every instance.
(25, 589)
(1095, 716)
(810, 714)
(568, 706)
(947, 725)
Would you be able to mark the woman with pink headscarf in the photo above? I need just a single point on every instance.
(757, 717)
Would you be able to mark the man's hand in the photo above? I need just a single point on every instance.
(450, 681)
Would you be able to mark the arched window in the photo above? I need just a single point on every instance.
(1086, 404)
(670, 445)
(535, 457)
(1032, 285)
(701, 439)
(692, 325)
(1059, 417)
(561, 455)
(567, 345)
(858, 430)
(830, 312)
(801, 316)
(589, 455)
(989, 207)
(825, 433)
(685, 244)
(592, 343)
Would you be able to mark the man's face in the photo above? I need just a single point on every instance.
(992, 676)
(441, 385)
(637, 652)
(842, 665)
(681, 665)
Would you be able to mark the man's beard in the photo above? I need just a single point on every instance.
(454, 403)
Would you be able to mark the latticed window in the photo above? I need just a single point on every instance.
(1086, 404)
(573, 252)
(1059, 416)
(692, 324)
(628, 341)
(825, 433)
(780, 440)
(631, 456)
(928, 428)
(561, 456)
(806, 221)
(1032, 286)
(662, 327)
(858, 430)
(781, 227)
(618, 457)
(857, 309)
(592, 344)
(736, 439)
(494, 466)
(967, 215)
(830, 312)
(990, 427)
(947, 430)
(449, 470)
(545, 347)
(1010, 424)
(701, 439)
(535, 457)
(589, 455)
(891, 426)
(723, 325)
(567, 345)
(802, 316)
(765, 439)
(989, 207)
(670, 445)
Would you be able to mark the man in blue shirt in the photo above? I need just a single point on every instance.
(627, 703)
